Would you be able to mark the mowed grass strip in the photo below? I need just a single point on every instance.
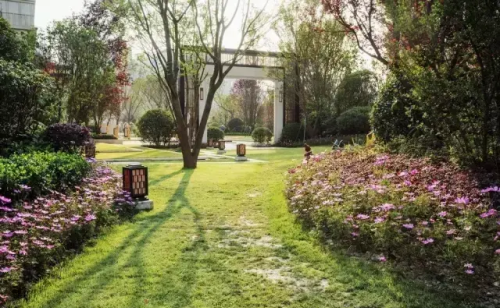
(221, 236)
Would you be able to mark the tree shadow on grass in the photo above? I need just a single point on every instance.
(137, 239)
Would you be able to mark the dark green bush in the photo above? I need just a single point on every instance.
(42, 172)
(103, 136)
(235, 125)
(389, 118)
(68, 137)
(156, 127)
(292, 132)
(215, 133)
(354, 121)
(262, 134)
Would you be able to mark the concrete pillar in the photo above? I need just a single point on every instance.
(203, 100)
(278, 110)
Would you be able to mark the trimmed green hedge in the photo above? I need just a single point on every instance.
(41, 172)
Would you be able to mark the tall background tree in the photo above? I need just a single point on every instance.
(160, 24)
(249, 96)
(87, 56)
(318, 56)
(444, 83)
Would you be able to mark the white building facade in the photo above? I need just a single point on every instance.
(19, 13)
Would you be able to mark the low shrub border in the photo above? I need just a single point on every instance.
(40, 233)
(42, 172)
(103, 137)
(433, 218)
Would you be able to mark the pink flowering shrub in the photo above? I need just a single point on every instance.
(431, 217)
(39, 233)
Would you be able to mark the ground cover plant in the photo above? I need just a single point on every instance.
(39, 232)
(433, 218)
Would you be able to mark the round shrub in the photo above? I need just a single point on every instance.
(292, 132)
(215, 133)
(354, 121)
(67, 137)
(388, 118)
(156, 127)
(262, 134)
(235, 125)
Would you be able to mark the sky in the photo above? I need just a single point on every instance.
(47, 11)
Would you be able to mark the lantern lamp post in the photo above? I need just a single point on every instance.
(241, 151)
(135, 181)
(222, 147)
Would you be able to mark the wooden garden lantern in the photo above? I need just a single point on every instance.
(210, 143)
(135, 181)
(241, 150)
(222, 145)
(89, 150)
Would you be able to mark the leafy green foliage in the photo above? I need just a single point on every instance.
(292, 132)
(14, 46)
(357, 89)
(42, 171)
(156, 127)
(354, 121)
(262, 135)
(389, 117)
(26, 100)
(215, 133)
(235, 125)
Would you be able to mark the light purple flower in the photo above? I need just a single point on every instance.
(4, 200)
(90, 217)
(428, 241)
(469, 271)
(362, 217)
(379, 220)
(462, 200)
(408, 226)
(5, 269)
(497, 251)
(491, 212)
(382, 259)
(442, 214)
(491, 189)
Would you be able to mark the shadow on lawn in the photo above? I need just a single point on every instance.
(109, 266)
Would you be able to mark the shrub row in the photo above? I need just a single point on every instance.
(42, 172)
(262, 135)
(432, 217)
(215, 133)
(39, 233)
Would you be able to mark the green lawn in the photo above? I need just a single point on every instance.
(238, 138)
(221, 236)
(113, 151)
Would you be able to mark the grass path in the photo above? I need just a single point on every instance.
(221, 236)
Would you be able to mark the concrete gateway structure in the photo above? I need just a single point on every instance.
(251, 64)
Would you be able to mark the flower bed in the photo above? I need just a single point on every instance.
(38, 234)
(432, 218)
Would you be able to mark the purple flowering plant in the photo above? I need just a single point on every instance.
(433, 217)
(36, 233)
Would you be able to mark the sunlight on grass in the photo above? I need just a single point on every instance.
(221, 236)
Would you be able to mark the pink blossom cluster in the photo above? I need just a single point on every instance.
(32, 231)
(401, 208)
